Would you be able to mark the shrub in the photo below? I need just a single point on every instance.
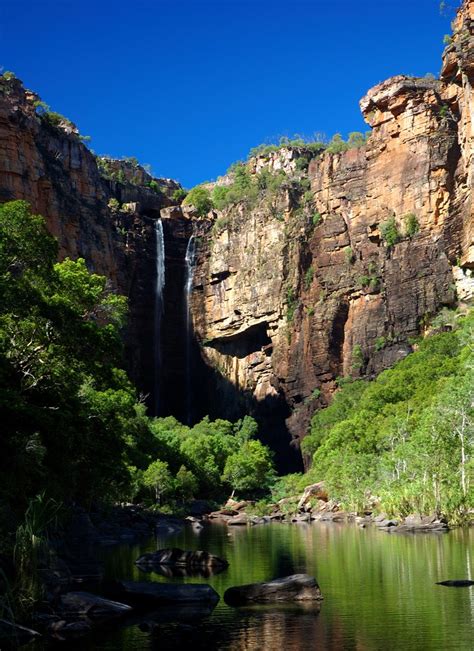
(337, 144)
(380, 343)
(200, 198)
(390, 233)
(114, 204)
(153, 185)
(179, 195)
(349, 255)
(8, 75)
(316, 218)
(363, 281)
(221, 223)
(302, 163)
(356, 140)
(412, 225)
(55, 119)
(357, 357)
(308, 277)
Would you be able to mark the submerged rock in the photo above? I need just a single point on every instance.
(456, 583)
(180, 558)
(298, 587)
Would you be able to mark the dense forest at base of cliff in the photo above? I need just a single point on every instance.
(405, 441)
(73, 424)
(75, 428)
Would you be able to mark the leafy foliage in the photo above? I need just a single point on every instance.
(200, 198)
(408, 436)
(390, 233)
(69, 411)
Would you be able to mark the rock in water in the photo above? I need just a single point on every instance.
(180, 558)
(298, 587)
(85, 604)
(456, 583)
(144, 593)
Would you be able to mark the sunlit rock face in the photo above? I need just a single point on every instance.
(51, 168)
(284, 306)
(291, 293)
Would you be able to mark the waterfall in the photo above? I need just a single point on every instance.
(159, 306)
(190, 259)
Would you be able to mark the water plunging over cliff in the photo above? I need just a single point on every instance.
(159, 287)
(190, 259)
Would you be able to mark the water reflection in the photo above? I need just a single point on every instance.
(379, 591)
(174, 572)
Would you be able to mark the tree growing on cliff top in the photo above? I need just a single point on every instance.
(200, 198)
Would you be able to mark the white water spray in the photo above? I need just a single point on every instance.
(159, 307)
(190, 260)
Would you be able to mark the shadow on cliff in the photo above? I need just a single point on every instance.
(216, 396)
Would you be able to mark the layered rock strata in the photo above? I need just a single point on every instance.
(294, 293)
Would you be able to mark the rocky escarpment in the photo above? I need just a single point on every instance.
(99, 209)
(331, 274)
(337, 280)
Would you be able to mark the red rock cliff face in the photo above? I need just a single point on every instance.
(290, 293)
(49, 167)
(286, 302)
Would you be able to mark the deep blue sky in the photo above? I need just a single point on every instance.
(190, 85)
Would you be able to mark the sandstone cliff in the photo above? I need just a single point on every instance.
(289, 292)
(290, 296)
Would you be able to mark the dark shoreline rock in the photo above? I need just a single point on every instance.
(297, 587)
(456, 583)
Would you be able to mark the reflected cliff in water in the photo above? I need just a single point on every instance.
(379, 591)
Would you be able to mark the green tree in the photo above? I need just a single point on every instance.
(158, 477)
(186, 484)
(200, 198)
(250, 468)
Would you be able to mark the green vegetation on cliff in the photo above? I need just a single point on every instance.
(246, 185)
(405, 440)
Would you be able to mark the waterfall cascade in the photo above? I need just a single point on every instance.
(190, 260)
(159, 287)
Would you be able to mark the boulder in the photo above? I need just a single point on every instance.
(73, 605)
(180, 558)
(223, 513)
(236, 506)
(238, 520)
(386, 524)
(298, 587)
(419, 524)
(314, 490)
(152, 594)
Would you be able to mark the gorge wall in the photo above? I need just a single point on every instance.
(293, 293)
(289, 292)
